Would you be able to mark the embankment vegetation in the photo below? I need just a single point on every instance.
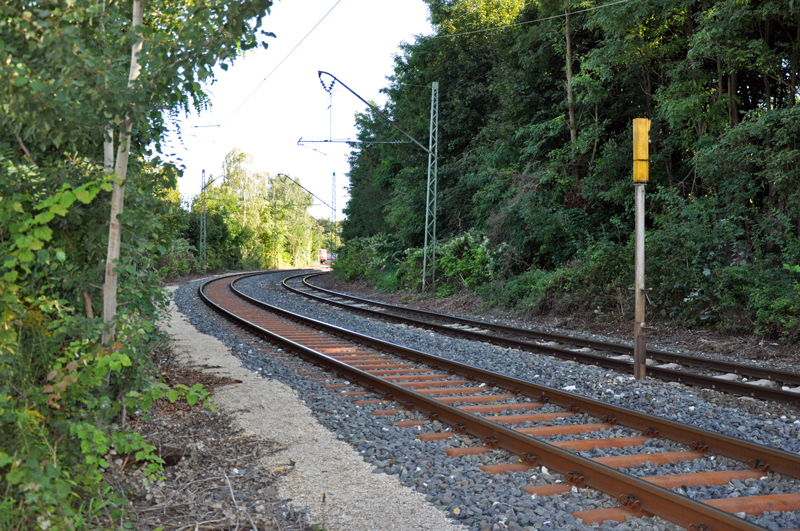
(90, 224)
(535, 203)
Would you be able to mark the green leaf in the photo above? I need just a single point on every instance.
(20, 81)
(192, 397)
(58, 210)
(67, 198)
(5, 459)
(86, 195)
(43, 233)
(45, 217)
(26, 256)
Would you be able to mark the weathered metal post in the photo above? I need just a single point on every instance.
(641, 174)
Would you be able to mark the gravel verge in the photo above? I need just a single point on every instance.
(456, 485)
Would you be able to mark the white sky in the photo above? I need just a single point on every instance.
(356, 43)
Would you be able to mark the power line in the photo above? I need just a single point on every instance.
(348, 141)
(486, 30)
(279, 64)
(304, 188)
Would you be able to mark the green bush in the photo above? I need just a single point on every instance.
(62, 394)
(409, 270)
(372, 259)
(179, 260)
(594, 281)
(463, 263)
(697, 262)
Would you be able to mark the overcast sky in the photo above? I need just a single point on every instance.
(355, 42)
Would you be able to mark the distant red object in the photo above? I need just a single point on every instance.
(323, 255)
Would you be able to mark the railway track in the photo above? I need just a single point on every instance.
(524, 419)
(736, 378)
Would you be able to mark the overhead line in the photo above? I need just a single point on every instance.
(307, 190)
(496, 28)
(279, 64)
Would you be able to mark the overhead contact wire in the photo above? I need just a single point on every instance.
(497, 28)
(282, 61)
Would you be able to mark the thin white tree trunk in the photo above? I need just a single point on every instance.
(108, 151)
(573, 128)
(118, 192)
(108, 145)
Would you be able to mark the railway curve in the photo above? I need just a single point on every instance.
(681, 368)
(413, 379)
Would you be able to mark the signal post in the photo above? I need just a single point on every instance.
(641, 174)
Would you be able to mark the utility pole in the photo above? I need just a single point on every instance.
(275, 224)
(274, 229)
(203, 224)
(333, 211)
(429, 260)
(641, 174)
(429, 254)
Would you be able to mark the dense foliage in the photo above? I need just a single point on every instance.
(254, 220)
(535, 147)
(65, 396)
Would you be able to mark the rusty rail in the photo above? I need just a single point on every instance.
(668, 375)
(649, 498)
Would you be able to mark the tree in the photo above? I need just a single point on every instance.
(73, 91)
(536, 105)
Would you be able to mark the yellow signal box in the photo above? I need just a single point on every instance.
(641, 150)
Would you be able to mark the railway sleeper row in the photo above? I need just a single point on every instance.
(506, 413)
(736, 378)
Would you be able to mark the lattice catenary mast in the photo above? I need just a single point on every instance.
(429, 256)
(333, 210)
(429, 260)
(203, 260)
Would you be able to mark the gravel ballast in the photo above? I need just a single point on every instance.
(323, 476)
(457, 485)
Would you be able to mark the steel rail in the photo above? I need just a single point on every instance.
(669, 375)
(652, 499)
(661, 355)
(780, 461)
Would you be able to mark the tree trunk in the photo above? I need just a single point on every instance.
(108, 141)
(87, 303)
(795, 66)
(767, 88)
(720, 88)
(108, 151)
(573, 128)
(733, 109)
(118, 192)
(767, 91)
